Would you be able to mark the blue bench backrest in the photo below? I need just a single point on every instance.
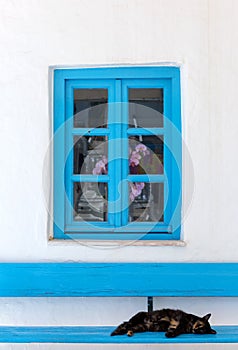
(118, 279)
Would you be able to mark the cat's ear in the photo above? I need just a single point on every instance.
(206, 317)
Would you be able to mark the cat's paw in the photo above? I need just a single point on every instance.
(121, 329)
(118, 331)
(130, 333)
(170, 334)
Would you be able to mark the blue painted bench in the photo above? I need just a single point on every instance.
(113, 280)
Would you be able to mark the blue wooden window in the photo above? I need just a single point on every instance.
(117, 153)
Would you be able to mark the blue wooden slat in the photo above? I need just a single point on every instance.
(90, 178)
(176, 148)
(90, 335)
(59, 154)
(170, 179)
(115, 157)
(118, 279)
(126, 233)
(90, 131)
(154, 229)
(146, 178)
(145, 132)
(129, 72)
(124, 154)
(69, 153)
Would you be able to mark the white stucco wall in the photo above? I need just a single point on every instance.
(199, 35)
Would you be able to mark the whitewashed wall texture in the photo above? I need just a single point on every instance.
(199, 35)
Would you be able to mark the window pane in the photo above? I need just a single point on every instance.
(146, 154)
(90, 201)
(139, 114)
(90, 108)
(90, 155)
(146, 201)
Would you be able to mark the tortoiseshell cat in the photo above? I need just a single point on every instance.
(173, 322)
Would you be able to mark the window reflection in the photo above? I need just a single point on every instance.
(88, 151)
(90, 201)
(146, 154)
(146, 201)
(140, 116)
(90, 108)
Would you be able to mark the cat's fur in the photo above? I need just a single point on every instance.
(173, 322)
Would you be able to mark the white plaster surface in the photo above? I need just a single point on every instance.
(201, 36)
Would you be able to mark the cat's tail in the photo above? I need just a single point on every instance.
(121, 329)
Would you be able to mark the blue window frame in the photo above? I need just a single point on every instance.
(105, 187)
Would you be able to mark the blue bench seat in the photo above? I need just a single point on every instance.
(115, 280)
(101, 335)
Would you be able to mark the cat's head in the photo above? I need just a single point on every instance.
(202, 326)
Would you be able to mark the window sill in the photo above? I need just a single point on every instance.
(149, 243)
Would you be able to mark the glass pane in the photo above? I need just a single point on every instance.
(139, 114)
(90, 108)
(146, 154)
(90, 201)
(146, 201)
(90, 155)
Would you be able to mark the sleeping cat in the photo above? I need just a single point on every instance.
(173, 322)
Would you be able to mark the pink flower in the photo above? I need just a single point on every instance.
(100, 167)
(147, 152)
(135, 190)
(132, 197)
(135, 159)
(140, 186)
(141, 148)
